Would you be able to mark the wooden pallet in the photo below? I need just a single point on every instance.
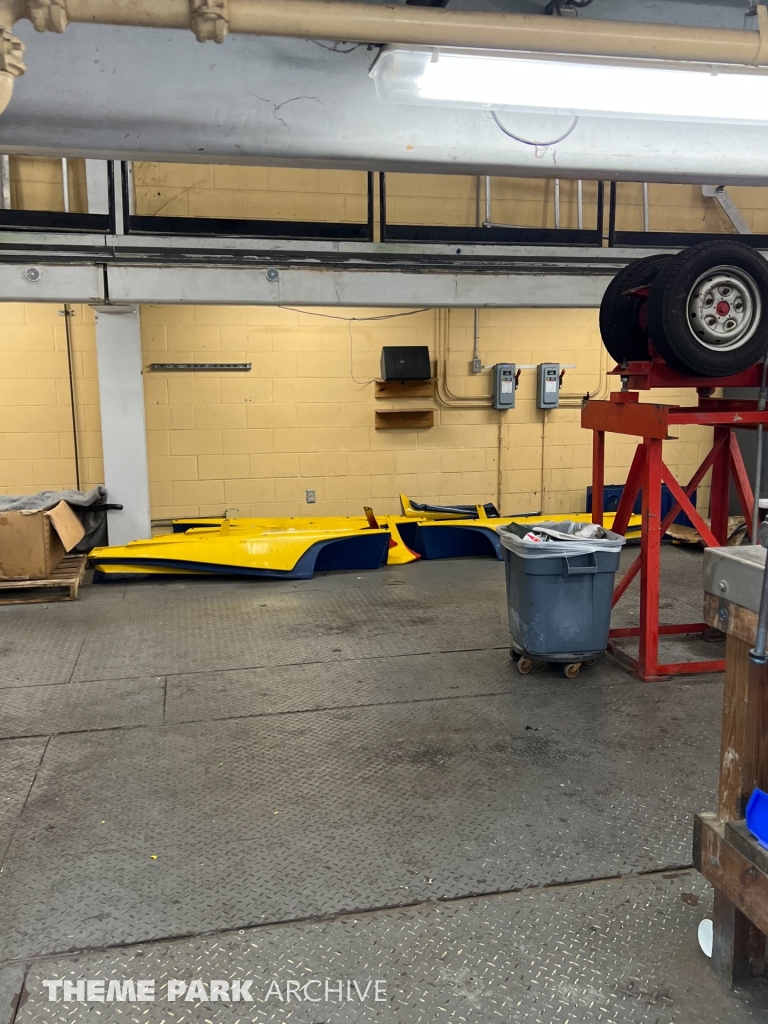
(62, 585)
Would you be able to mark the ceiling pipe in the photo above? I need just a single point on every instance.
(11, 50)
(431, 26)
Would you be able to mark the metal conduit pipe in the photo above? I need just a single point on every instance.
(444, 394)
(373, 23)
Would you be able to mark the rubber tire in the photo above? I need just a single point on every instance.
(524, 666)
(572, 670)
(623, 335)
(668, 316)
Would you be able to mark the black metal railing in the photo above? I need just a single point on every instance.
(192, 227)
(668, 239)
(488, 234)
(121, 219)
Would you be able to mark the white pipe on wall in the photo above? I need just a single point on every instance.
(5, 182)
(65, 183)
(646, 210)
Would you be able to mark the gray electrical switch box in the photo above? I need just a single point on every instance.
(504, 385)
(548, 385)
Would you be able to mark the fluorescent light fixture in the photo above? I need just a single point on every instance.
(571, 85)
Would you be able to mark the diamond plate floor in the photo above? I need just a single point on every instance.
(19, 762)
(620, 952)
(213, 756)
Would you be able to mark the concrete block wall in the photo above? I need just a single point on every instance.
(303, 418)
(36, 436)
(254, 193)
(459, 201)
(37, 184)
(307, 194)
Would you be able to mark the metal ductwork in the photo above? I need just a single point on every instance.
(130, 94)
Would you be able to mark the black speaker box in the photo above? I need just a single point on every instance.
(407, 362)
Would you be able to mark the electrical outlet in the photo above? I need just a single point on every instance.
(477, 365)
(311, 499)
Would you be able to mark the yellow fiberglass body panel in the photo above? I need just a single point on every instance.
(399, 553)
(294, 554)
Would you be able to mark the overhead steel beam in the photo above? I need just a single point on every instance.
(37, 282)
(130, 93)
(223, 286)
(317, 287)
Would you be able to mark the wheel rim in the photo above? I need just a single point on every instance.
(724, 309)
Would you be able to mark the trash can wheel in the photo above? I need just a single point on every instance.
(572, 670)
(524, 665)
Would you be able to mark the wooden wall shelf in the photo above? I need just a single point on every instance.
(405, 419)
(405, 388)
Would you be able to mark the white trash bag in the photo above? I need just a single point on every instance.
(548, 538)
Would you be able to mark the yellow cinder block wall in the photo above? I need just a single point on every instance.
(303, 418)
(311, 194)
(36, 436)
(257, 441)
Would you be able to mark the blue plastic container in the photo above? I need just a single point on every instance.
(612, 496)
(757, 817)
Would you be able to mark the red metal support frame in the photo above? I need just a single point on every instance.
(721, 487)
(624, 414)
(741, 481)
(670, 517)
(598, 476)
(630, 492)
(650, 553)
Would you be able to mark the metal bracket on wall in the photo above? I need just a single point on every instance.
(199, 367)
(210, 20)
(730, 208)
(47, 15)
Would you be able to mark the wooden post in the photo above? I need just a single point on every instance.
(738, 951)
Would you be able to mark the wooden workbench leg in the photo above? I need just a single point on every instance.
(744, 742)
(738, 948)
(738, 951)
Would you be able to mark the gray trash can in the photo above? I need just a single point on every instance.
(559, 593)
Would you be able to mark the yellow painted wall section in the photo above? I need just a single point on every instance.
(299, 421)
(253, 193)
(37, 183)
(36, 436)
(257, 441)
(311, 194)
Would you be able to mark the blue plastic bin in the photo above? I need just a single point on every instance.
(757, 817)
(612, 496)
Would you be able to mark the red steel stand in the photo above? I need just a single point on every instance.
(624, 414)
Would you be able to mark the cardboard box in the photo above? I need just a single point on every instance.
(33, 543)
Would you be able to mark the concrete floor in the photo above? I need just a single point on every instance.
(345, 779)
